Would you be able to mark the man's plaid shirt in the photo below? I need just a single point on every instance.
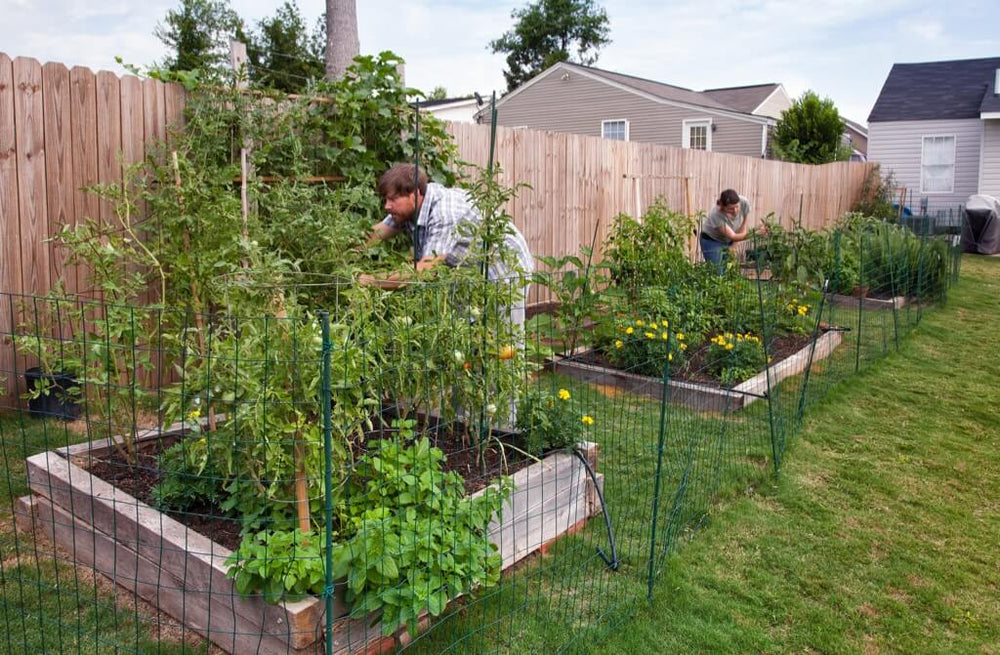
(437, 231)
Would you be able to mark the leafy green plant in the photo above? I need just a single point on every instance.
(417, 541)
(735, 357)
(182, 486)
(645, 345)
(279, 564)
(877, 196)
(577, 292)
(549, 421)
(650, 251)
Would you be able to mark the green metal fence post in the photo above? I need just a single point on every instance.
(895, 291)
(664, 397)
(326, 395)
(861, 301)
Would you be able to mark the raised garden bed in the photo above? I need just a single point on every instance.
(700, 395)
(183, 573)
(868, 303)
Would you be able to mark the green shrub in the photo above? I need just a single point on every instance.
(645, 345)
(549, 422)
(734, 358)
(648, 252)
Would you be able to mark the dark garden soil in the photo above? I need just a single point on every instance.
(461, 457)
(696, 367)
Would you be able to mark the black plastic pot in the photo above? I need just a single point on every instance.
(58, 403)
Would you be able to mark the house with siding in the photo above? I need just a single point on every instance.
(585, 100)
(936, 127)
(856, 138)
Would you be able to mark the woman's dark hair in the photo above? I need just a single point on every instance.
(728, 197)
(398, 181)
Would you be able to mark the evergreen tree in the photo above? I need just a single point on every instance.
(283, 53)
(198, 34)
(810, 132)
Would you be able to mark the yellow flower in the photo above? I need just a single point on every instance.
(684, 347)
(654, 326)
(629, 330)
(665, 336)
(650, 335)
(670, 357)
(638, 322)
(587, 419)
(563, 394)
(803, 310)
(729, 346)
(194, 414)
(619, 343)
(680, 336)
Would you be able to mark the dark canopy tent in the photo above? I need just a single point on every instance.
(981, 228)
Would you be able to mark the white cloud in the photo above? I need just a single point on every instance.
(923, 29)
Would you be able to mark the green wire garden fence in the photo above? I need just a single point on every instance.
(412, 470)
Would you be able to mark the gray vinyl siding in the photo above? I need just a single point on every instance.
(578, 104)
(773, 106)
(897, 146)
(989, 181)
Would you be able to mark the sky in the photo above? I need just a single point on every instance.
(841, 49)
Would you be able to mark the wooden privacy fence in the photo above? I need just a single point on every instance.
(62, 130)
(65, 129)
(578, 184)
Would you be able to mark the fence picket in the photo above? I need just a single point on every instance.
(58, 164)
(30, 142)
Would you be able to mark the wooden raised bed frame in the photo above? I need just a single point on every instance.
(838, 300)
(183, 573)
(703, 396)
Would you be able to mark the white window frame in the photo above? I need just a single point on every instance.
(954, 148)
(616, 120)
(686, 126)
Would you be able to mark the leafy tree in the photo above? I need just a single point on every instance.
(283, 54)
(810, 132)
(438, 93)
(198, 34)
(545, 32)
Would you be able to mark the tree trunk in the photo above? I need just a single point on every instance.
(342, 44)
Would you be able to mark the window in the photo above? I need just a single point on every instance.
(937, 164)
(697, 134)
(616, 130)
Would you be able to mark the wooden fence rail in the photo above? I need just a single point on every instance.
(62, 130)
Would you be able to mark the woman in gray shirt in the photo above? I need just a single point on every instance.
(725, 225)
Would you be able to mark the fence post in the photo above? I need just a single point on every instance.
(664, 398)
(326, 396)
(861, 300)
(767, 364)
(895, 291)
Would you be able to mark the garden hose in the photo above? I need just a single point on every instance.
(613, 562)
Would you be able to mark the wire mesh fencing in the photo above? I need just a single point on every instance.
(456, 467)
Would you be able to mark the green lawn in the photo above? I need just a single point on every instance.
(883, 533)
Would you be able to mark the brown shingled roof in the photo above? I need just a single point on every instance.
(742, 98)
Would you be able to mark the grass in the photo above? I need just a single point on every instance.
(879, 536)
